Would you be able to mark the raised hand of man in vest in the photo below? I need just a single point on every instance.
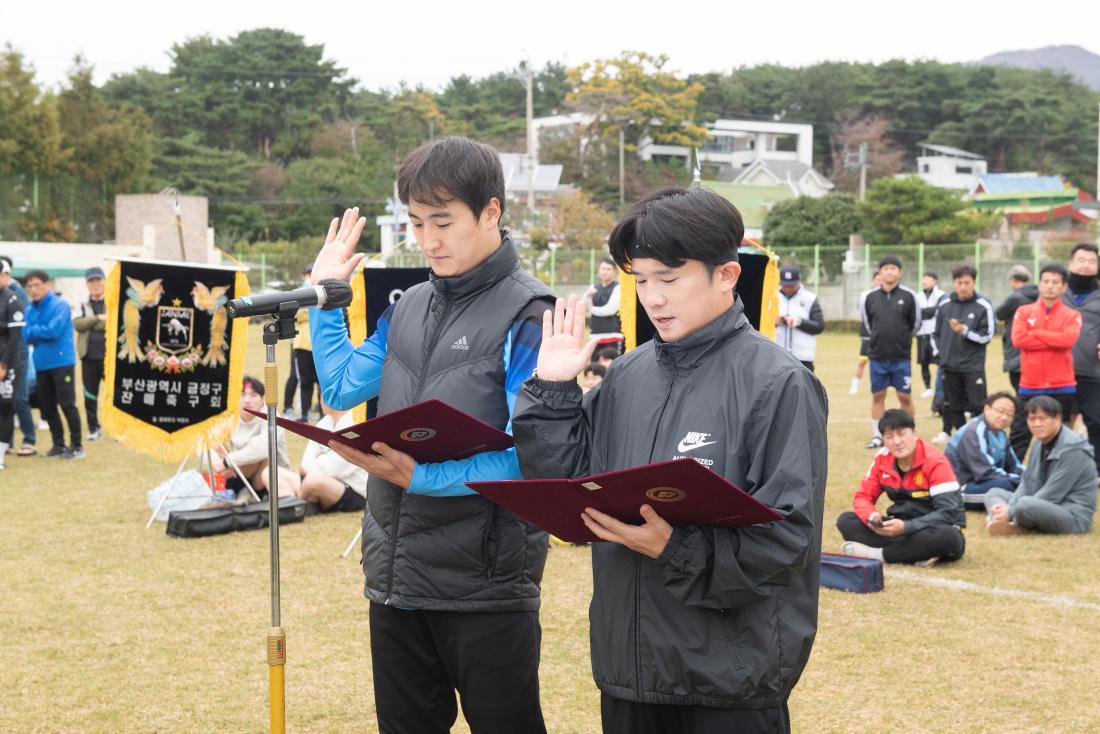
(338, 258)
(564, 352)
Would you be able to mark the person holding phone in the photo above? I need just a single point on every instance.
(924, 524)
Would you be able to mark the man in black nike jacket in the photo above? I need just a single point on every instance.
(694, 629)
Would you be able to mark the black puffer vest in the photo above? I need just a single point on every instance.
(446, 340)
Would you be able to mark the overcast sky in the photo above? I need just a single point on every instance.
(428, 42)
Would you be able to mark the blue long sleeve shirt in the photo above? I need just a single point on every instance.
(49, 330)
(351, 375)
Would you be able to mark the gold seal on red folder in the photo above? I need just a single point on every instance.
(665, 494)
(417, 434)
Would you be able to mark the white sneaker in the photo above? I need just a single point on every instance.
(941, 438)
(927, 562)
(854, 389)
(929, 392)
(852, 548)
(43, 425)
(874, 443)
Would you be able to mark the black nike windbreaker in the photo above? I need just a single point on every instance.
(724, 617)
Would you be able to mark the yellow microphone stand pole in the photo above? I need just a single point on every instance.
(281, 327)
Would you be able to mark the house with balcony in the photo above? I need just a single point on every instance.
(950, 168)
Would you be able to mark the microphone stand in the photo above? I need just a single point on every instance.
(281, 326)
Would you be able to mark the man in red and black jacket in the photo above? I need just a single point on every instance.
(924, 524)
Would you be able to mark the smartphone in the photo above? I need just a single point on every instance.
(876, 523)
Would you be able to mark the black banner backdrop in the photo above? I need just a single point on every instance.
(375, 290)
(174, 360)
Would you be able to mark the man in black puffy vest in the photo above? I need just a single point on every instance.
(453, 580)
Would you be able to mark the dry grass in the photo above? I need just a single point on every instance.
(105, 627)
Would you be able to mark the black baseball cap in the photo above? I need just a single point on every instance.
(789, 275)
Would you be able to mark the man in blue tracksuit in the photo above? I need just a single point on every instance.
(452, 579)
(49, 330)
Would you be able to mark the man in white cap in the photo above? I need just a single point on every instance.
(800, 318)
(91, 346)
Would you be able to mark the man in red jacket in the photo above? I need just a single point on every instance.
(1045, 332)
(924, 524)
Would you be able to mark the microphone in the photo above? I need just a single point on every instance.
(327, 295)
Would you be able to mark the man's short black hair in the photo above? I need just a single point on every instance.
(8, 260)
(251, 383)
(452, 169)
(1056, 268)
(1000, 395)
(962, 271)
(609, 261)
(890, 260)
(1044, 404)
(932, 275)
(37, 275)
(595, 368)
(608, 353)
(674, 225)
(1085, 246)
(894, 420)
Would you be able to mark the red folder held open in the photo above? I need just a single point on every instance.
(682, 491)
(430, 432)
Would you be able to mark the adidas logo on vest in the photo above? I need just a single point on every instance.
(461, 344)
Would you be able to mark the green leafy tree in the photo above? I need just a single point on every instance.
(581, 224)
(30, 132)
(910, 211)
(828, 220)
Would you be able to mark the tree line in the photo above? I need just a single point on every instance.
(280, 137)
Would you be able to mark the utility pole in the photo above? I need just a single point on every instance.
(526, 77)
(530, 81)
(858, 159)
(622, 169)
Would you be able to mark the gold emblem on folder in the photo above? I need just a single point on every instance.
(665, 494)
(418, 434)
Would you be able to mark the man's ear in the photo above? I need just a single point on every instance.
(728, 274)
(490, 215)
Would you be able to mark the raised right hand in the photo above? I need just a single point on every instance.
(338, 258)
(564, 352)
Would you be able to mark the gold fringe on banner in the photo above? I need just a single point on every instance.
(357, 325)
(769, 299)
(148, 439)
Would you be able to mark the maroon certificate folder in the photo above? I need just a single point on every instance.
(682, 491)
(430, 432)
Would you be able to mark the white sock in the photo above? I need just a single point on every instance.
(3, 450)
(874, 429)
(855, 384)
(875, 553)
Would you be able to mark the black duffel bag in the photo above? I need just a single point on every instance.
(222, 520)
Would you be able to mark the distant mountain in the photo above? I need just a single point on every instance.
(1082, 64)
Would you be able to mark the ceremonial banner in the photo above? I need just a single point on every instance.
(174, 359)
(758, 289)
(373, 291)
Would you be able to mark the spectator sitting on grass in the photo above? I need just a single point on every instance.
(248, 448)
(924, 523)
(1058, 491)
(328, 480)
(606, 356)
(980, 452)
(593, 375)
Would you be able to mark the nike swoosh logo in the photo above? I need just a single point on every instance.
(692, 446)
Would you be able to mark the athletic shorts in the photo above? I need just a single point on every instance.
(889, 373)
(350, 501)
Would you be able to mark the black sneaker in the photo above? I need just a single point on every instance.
(57, 452)
(76, 452)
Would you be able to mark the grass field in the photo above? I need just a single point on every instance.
(106, 627)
